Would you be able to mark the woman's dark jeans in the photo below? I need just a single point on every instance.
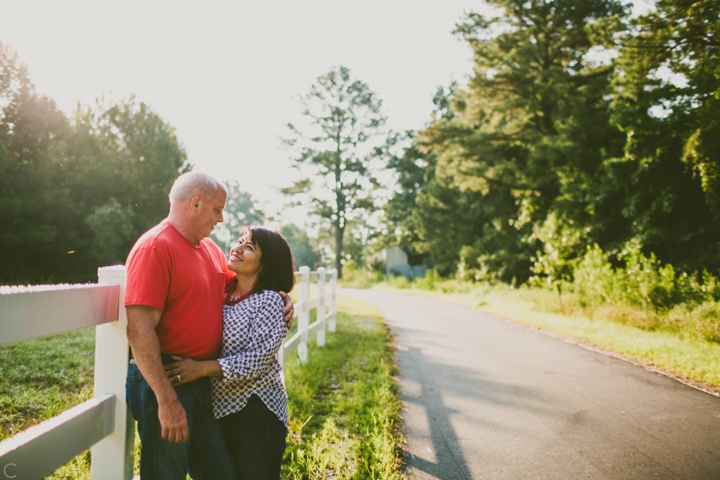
(255, 438)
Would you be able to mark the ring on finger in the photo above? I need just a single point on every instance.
(179, 378)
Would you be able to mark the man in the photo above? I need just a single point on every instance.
(174, 295)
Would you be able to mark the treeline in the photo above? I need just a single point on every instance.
(582, 128)
(76, 192)
(583, 132)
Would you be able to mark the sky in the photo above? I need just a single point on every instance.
(227, 75)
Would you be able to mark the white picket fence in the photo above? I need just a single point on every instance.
(104, 422)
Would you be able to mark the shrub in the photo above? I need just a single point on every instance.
(595, 281)
(642, 282)
(707, 318)
(429, 281)
(360, 277)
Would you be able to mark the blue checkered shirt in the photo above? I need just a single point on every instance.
(253, 331)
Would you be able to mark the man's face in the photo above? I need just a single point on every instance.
(210, 212)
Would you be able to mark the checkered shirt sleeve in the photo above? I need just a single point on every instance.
(253, 331)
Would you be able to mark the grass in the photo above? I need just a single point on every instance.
(344, 407)
(685, 356)
(40, 379)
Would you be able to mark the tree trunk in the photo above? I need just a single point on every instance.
(338, 248)
(339, 206)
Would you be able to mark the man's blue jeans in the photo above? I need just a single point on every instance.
(204, 456)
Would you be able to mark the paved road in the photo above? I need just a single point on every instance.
(485, 398)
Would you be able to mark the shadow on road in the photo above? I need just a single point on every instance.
(449, 459)
(436, 391)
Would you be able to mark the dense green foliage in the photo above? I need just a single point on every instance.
(581, 129)
(76, 192)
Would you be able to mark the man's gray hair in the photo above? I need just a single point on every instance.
(194, 183)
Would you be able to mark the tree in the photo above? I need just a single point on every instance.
(128, 152)
(527, 137)
(453, 226)
(35, 203)
(534, 106)
(240, 210)
(667, 99)
(342, 137)
(76, 193)
(112, 227)
(304, 254)
(684, 37)
(401, 215)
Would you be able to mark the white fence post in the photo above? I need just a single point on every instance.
(304, 314)
(112, 458)
(333, 300)
(321, 315)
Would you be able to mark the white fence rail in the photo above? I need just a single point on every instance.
(104, 422)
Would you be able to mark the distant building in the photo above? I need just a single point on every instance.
(398, 262)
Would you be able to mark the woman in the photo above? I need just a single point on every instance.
(248, 394)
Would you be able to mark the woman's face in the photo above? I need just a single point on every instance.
(245, 257)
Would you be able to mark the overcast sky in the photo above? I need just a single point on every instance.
(227, 75)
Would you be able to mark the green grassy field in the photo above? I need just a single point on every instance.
(682, 355)
(40, 379)
(344, 408)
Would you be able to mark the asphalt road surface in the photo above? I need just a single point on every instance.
(486, 398)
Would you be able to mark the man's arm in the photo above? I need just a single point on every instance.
(143, 339)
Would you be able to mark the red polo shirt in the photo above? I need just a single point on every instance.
(184, 281)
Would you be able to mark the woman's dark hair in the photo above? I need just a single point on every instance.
(277, 270)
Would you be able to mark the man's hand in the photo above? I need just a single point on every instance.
(146, 351)
(173, 422)
(289, 310)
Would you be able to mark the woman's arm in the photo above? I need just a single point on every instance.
(266, 337)
(186, 370)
